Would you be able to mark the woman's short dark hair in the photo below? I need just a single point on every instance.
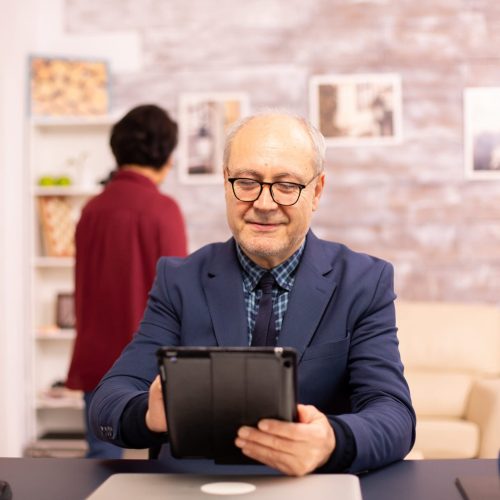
(146, 135)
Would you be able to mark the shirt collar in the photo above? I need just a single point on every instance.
(283, 273)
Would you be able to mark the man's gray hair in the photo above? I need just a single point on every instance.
(317, 139)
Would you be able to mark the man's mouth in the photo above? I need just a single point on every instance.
(263, 225)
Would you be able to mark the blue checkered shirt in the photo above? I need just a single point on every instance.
(284, 274)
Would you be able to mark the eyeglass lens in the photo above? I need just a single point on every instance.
(283, 193)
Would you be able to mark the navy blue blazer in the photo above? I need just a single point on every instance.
(340, 319)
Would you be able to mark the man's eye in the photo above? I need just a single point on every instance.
(285, 187)
(247, 184)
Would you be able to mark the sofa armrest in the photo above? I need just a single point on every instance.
(483, 408)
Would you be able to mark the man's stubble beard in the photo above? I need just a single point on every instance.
(263, 250)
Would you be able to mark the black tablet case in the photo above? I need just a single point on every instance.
(210, 392)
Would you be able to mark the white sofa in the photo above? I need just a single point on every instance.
(451, 353)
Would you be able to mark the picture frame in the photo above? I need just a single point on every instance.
(65, 310)
(204, 119)
(57, 225)
(357, 109)
(69, 87)
(482, 132)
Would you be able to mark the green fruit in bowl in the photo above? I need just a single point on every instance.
(63, 181)
(46, 180)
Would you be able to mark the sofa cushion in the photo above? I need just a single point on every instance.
(447, 438)
(439, 394)
(449, 336)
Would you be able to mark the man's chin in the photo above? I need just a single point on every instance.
(262, 249)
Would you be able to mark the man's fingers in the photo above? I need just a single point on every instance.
(156, 387)
(294, 462)
(295, 448)
(249, 435)
(279, 460)
(155, 415)
(307, 413)
(300, 431)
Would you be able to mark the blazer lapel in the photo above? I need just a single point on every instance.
(224, 292)
(312, 291)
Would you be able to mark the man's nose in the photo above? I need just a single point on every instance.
(265, 200)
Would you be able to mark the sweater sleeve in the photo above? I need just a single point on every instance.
(134, 432)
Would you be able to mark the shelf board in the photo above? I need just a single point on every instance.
(66, 191)
(46, 262)
(55, 334)
(56, 448)
(77, 121)
(59, 397)
(69, 403)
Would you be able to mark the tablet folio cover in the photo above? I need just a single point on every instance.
(210, 392)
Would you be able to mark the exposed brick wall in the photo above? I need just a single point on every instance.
(408, 203)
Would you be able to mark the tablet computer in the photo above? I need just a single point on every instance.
(210, 392)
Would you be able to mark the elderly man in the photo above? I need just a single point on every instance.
(334, 306)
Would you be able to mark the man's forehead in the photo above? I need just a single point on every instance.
(272, 126)
(273, 134)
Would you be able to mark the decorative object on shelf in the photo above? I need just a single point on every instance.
(204, 121)
(358, 109)
(57, 226)
(83, 173)
(49, 180)
(68, 87)
(80, 170)
(65, 310)
(482, 132)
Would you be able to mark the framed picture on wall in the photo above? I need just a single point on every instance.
(204, 119)
(357, 109)
(482, 132)
(68, 87)
(57, 225)
(65, 310)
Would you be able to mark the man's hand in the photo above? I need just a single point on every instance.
(155, 416)
(293, 448)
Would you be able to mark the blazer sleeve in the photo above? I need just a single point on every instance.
(136, 368)
(382, 419)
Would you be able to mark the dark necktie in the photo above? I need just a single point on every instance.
(264, 332)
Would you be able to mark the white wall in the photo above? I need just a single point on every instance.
(30, 26)
(15, 35)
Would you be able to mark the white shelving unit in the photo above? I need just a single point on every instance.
(74, 148)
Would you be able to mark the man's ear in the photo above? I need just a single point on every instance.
(318, 191)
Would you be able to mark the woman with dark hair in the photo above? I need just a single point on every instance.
(121, 234)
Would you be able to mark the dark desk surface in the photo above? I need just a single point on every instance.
(67, 479)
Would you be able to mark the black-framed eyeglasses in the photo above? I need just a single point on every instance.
(283, 193)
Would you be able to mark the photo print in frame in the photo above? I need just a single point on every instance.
(204, 119)
(65, 87)
(482, 132)
(357, 109)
